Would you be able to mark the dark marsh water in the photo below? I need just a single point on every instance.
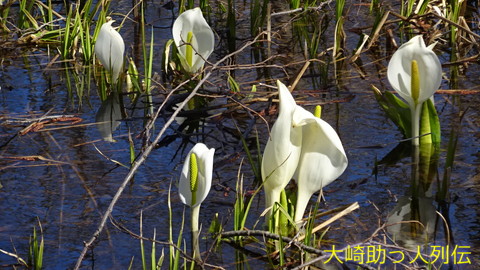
(68, 184)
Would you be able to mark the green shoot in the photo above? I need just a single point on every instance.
(35, 254)
(294, 4)
(142, 249)
(234, 86)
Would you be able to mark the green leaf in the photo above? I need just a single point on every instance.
(433, 121)
(234, 86)
(215, 226)
(166, 54)
(397, 110)
(286, 213)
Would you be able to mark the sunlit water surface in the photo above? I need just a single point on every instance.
(71, 186)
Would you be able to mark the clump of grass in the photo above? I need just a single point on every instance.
(35, 250)
(36, 247)
(155, 264)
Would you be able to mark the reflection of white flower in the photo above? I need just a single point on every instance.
(300, 146)
(179, 119)
(109, 49)
(194, 39)
(412, 224)
(108, 117)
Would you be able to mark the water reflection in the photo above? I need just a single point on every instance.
(108, 116)
(412, 222)
(61, 197)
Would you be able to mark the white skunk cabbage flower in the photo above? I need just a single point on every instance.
(194, 39)
(322, 159)
(415, 73)
(282, 152)
(301, 146)
(196, 178)
(109, 49)
(195, 184)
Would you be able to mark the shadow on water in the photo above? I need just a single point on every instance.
(61, 147)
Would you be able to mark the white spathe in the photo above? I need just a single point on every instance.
(282, 152)
(109, 49)
(301, 146)
(429, 66)
(202, 41)
(204, 180)
(322, 159)
(204, 171)
(429, 77)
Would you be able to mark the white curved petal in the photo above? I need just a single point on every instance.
(322, 159)
(282, 152)
(203, 40)
(205, 171)
(302, 117)
(430, 69)
(109, 49)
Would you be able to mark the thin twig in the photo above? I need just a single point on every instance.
(19, 259)
(37, 119)
(288, 12)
